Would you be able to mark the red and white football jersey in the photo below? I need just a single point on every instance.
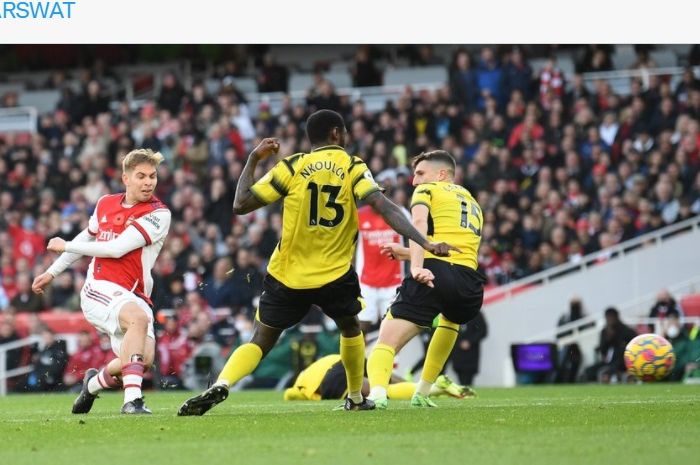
(133, 270)
(375, 269)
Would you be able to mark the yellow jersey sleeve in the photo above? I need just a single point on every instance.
(422, 196)
(274, 185)
(363, 183)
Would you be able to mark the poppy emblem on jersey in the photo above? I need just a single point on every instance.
(118, 219)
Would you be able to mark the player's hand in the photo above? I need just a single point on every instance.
(440, 249)
(40, 282)
(389, 250)
(423, 276)
(266, 148)
(56, 244)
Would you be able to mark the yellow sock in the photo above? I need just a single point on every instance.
(439, 349)
(379, 367)
(401, 391)
(242, 362)
(352, 354)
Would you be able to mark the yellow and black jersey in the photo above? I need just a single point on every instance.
(319, 228)
(307, 384)
(455, 217)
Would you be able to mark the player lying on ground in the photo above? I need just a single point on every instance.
(325, 379)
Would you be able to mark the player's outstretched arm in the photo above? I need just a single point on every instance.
(65, 260)
(130, 239)
(244, 200)
(395, 251)
(395, 218)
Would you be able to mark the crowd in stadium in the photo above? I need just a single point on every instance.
(560, 172)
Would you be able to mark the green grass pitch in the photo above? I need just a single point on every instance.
(634, 424)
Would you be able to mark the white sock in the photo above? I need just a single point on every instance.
(94, 385)
(377, 392)
(423, 387)
(221, 382)
(102, 380)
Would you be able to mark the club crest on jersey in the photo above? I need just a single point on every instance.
(129, 221)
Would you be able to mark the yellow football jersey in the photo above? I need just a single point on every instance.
(455, 217)
(309, 380)
(319, 226)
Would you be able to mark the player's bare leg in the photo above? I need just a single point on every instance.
(241, 363)
(134, 323)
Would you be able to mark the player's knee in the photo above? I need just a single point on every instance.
(349, 326)
(132, 315)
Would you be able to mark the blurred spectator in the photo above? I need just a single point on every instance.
(272, 76)
(466, 353)
(517, 75)
(596, 59)
(463, 81)
(174, 349)
(611, 348)
(664, 304)
(49, 363)
(570, 354)
(62, 291)
(87, 356)
(4, 300)
(25, 300)
(489, 76)
(552, 83)
(93, 102)
(364, 71)
(219, 290)
(171, 94)
(9, 334)
(678, 336)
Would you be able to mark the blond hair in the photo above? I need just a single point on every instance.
(139, 156)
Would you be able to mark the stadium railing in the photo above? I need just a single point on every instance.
(71, 340)
(632, 313)
(542, 278)
(18, 119)
(6, 374)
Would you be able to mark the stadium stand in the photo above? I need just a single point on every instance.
(560, 174)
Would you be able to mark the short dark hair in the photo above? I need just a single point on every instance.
(612, 311)
(440, 156)
(320, 124)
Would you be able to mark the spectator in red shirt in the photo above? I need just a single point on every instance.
(88, 356)
(174, 349)
(26, 243)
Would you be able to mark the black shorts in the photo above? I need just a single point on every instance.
(282, 307)
(458, 295)
(334, 384)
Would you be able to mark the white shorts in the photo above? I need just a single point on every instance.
(377, 301)
(101, 302)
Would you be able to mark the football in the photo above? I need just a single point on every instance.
(649, 357)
